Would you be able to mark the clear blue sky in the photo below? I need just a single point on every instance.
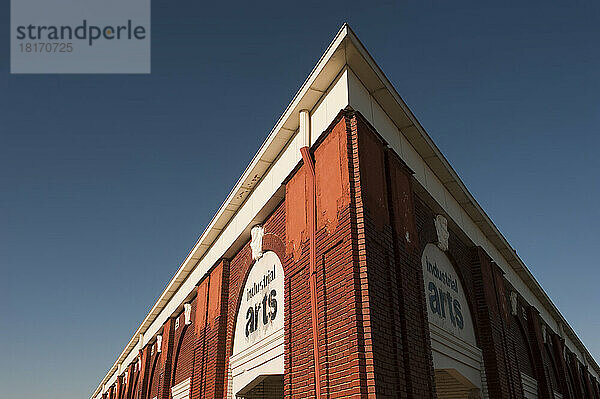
(106, 181)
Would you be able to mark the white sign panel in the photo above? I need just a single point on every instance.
(447, 305)
(258, 345)
(261, 309)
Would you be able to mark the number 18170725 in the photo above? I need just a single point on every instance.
(46, 47)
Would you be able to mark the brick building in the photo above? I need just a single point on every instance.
(351, 261)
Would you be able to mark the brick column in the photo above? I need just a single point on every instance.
(361, 359)
(573, 365)
(344, 317)
(217, 323)
(144, 372)
(199, 372)
(416, 366)
(596, 388)
(588, 383)
(536, 340)
(558, 345)
(211, 331)
(394, 314)
(120, 387)
(130, 378)
(501, 369)
(166, 359)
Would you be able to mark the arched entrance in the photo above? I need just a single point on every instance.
(457, 360)
(256, 364)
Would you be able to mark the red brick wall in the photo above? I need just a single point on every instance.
(239, 266)
(550, 366)
(395, 317)
(183, 357)
(154, 375)
(373, 332)
(341, 344)
(208, 380)
(524, 357)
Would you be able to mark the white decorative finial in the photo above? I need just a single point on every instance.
(257, 234)
(187, 311)
(513, 303)
(141, 342)
(159, 343)
(441, 227)
(544, 334)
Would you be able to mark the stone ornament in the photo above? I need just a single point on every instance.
(513, 303)
(159, 343)
(257, 234)
(141, 342)
(441, 227)
(187, 311)
(544, 334)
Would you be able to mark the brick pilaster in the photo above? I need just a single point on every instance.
(166, 358)
(199, 373)
(501, 368)
(144, 372)
(588, 383)
(130, 381)
(596, 388)
(558, 345)
(119, 389)
(211, 332)
(362, 325)
(573, 365)
(395, 319)
(536, 340)
(416, 366)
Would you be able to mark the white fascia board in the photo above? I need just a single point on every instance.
(369, 89)
(244, 201)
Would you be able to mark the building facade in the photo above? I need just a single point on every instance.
(350, 261)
